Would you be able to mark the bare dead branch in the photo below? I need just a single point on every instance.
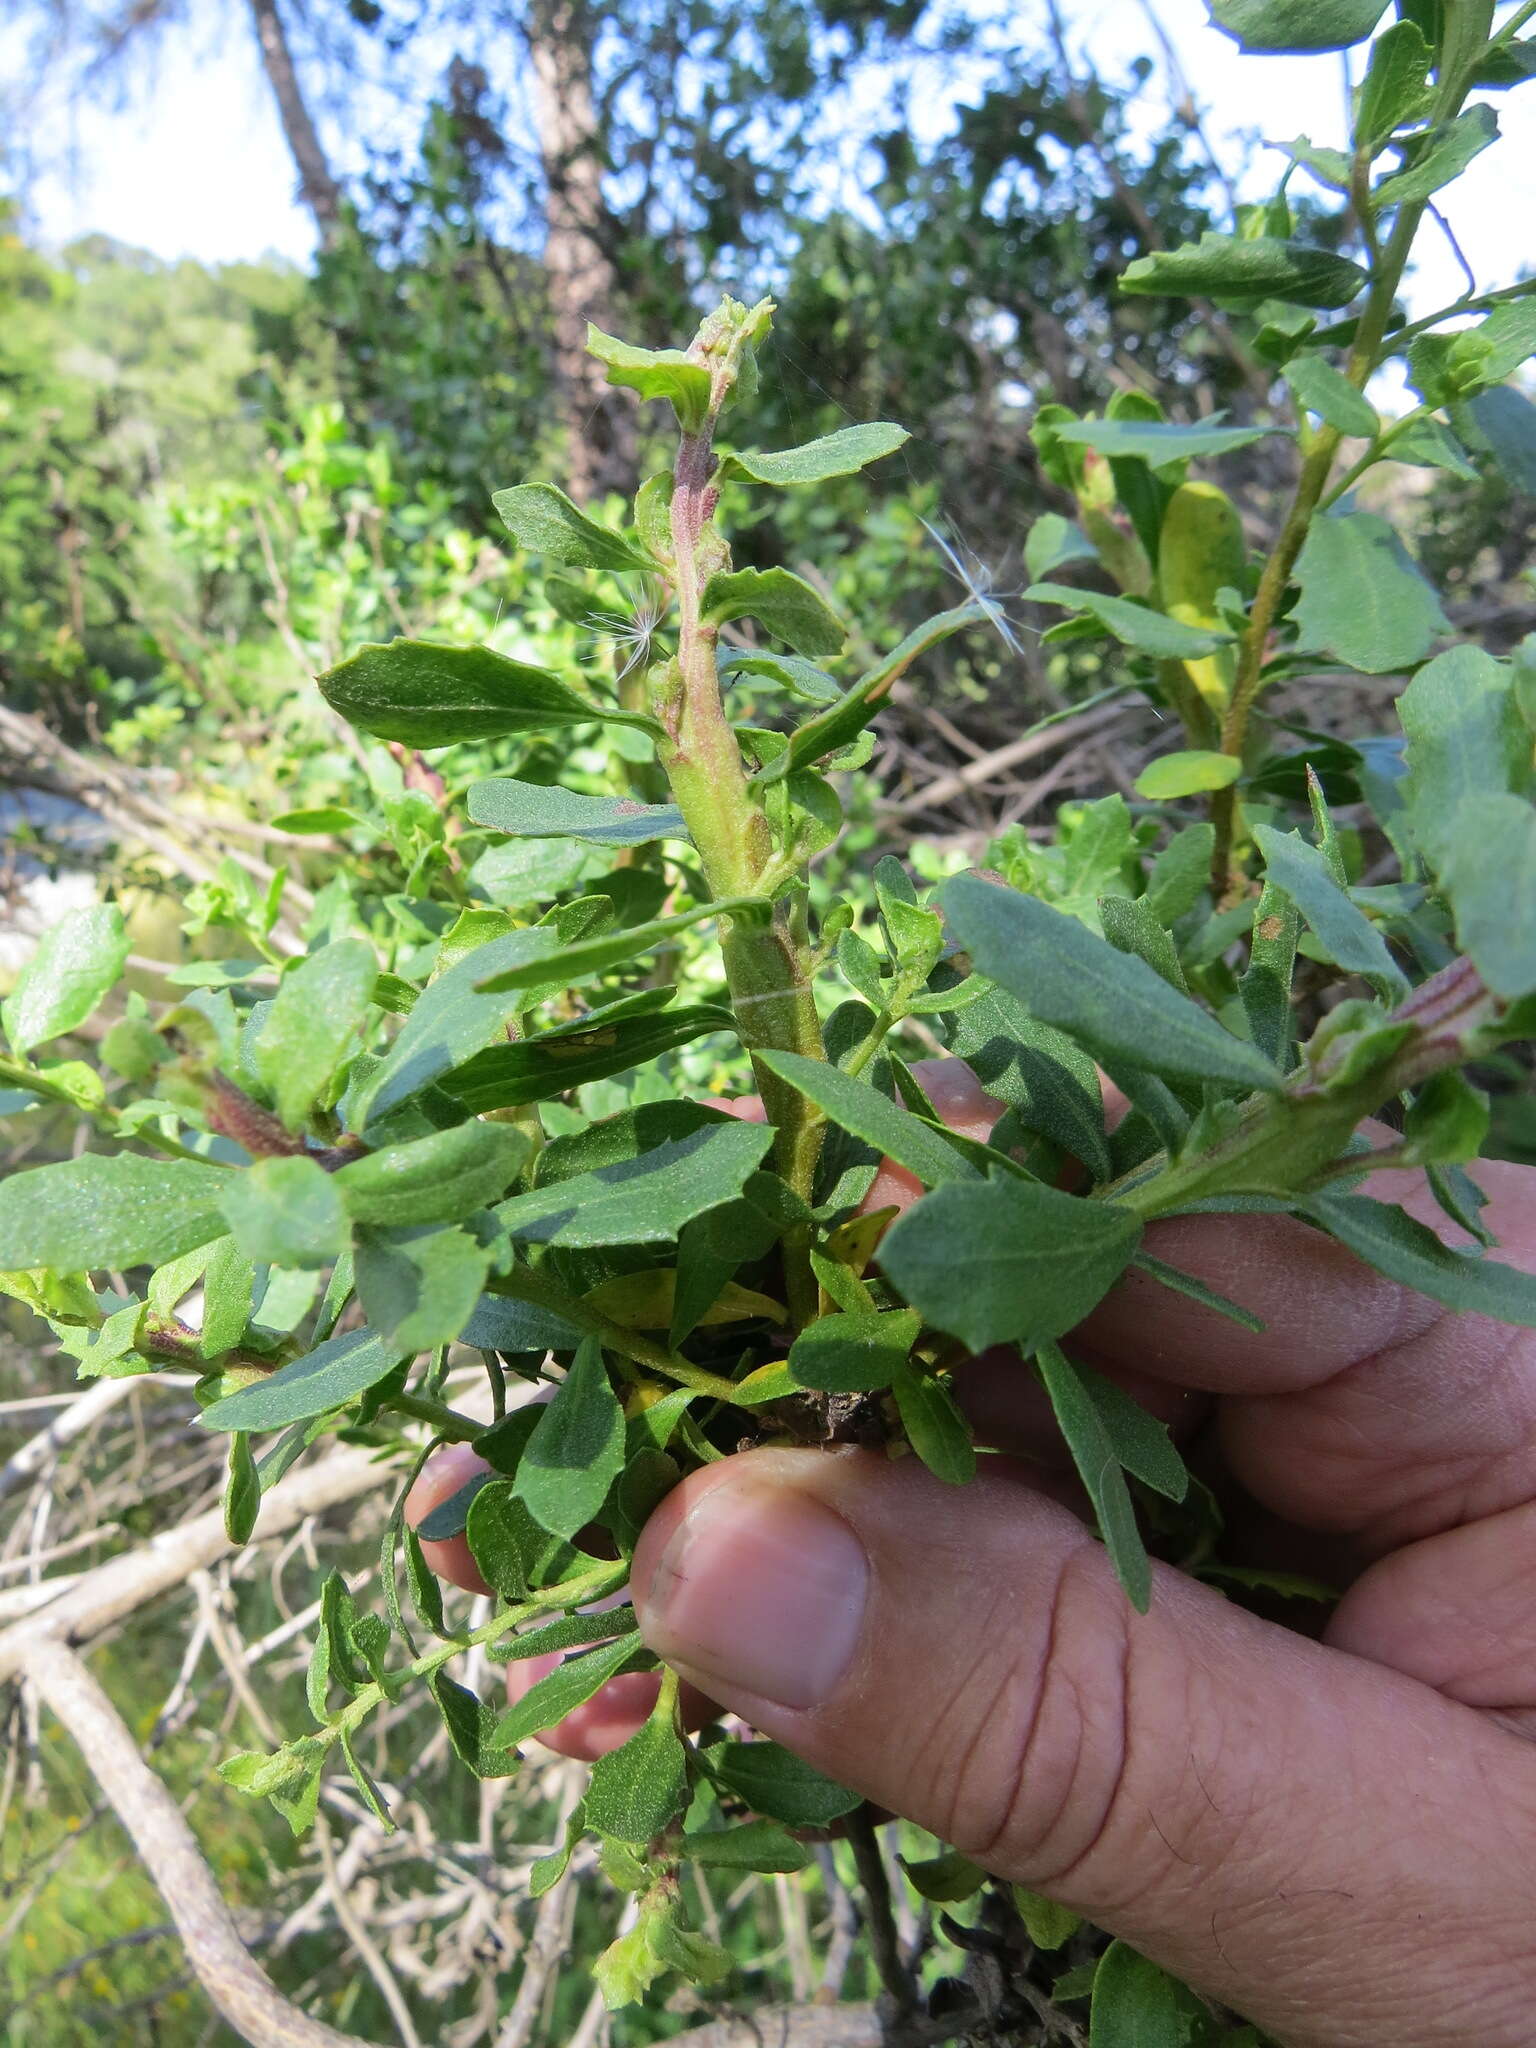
(98, 1598)
(83, 1410)
(240, 1991)
(821, 2026)
(1026, 748)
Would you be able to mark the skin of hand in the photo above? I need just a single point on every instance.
(619, 1708)
(1333, 1837)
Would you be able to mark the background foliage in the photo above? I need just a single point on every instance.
(219, 482)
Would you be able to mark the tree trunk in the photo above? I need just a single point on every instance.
(317, 187)
(582, 286)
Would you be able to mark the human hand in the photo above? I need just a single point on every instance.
(1333, 1837)
(618, 1708)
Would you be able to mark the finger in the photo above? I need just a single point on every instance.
(961, 1102)
(1362, 1407)
(747, 1109)
(618, 1709)
(615, 1712)
(1229, 1798)
(1456, 1612)
(438, 1480)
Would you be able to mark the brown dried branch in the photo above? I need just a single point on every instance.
(98, 1598)
(934, 795)
(822, 2026)
(238, 1989)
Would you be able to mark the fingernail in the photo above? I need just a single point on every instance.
(760, 1589)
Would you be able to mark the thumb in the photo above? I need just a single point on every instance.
(1252, 1810)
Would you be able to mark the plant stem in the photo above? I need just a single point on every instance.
(449, 1423)
(879, 1921)
(1289, 1142)
(766, 963)
(524, 1283)
(1310, 485)
(555, 1599)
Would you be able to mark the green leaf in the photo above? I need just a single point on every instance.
(1363, 597)
(569, 1056)
(514, 1553)
(786, 604)
(1052, 542)
(1050, 1082)
(755, 1845)
(645, 1200)
(545, 521)
(1466, 743)
(841, 454)
(802, 679)
(934, 1425)
(1438, 158)
(1504, 419)
(587, 957)
(1276, 25)
(1393, 90)
(515, 872)
(535, 810)
(946, 1879)
(1134, 625)
(775, 1782)
(857, 1107)
(1180, 874)
(1489, 878)
(1430, 444)
(437, 1179)
(427, 695)
(500, 1324)
(319, 818)
(1113, 1004)
(76, 962)
(668, 373)
(1503, 342)
(1138, 1440)
(451, 1018)
(570, 1632)
(1330, 167)
(637, 1789)
(1159, 443)
(1187, 774)
(854, 1354)
(1320, 388)
(616, 1139)
(470, 1722)
(1048, 1925)
(833, 728)
(420, 1293)
(118, 1211)
(228, 1285)
(1008, 1261)
(1225, 266)
(567, 1687)
(320, 1007)
(1196, 1290)
(1344, 929)
(576, 1451)
(1407, 1251)
(286, 1212)
(1137, 2005)
(328, 1377)
(1093, 1452)
(1130, 927)
(242, 1491)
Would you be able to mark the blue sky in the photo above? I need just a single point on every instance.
(207, 105)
